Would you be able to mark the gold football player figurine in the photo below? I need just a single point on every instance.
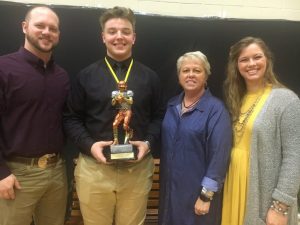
(123, 100)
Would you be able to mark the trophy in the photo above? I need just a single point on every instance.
(122, 99)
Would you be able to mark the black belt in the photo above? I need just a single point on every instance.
(42, 162)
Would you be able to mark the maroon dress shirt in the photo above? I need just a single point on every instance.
(32, 98)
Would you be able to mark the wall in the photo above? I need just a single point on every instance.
(245, 9)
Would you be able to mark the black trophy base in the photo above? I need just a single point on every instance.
(122, 152)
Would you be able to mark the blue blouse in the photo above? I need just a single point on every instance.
(195, 152)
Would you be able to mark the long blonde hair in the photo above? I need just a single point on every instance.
(234, 85)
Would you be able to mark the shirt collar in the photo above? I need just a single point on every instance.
(201, 106)
(113, 62)
(33, 59)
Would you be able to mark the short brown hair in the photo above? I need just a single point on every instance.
(118, 12)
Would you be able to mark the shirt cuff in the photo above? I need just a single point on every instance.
(86, 147)
(210, 184)
(4, 171)
(282, 197)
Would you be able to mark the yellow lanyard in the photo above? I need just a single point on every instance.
(115, 75)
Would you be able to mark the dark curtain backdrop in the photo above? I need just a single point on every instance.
(161, 40)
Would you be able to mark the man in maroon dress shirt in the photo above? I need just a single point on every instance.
(33, 90)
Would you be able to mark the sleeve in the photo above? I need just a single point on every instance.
(73, 118)
(2, 93)
(4, 170)
(157, 113)
(289, 174)
(218, 148)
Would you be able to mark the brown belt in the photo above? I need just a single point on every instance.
(42, 162)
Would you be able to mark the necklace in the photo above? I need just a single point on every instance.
(185, 108)
(240, 124)
(190, 105)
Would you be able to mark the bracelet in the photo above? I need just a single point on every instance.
(207, 192)
(276, 206)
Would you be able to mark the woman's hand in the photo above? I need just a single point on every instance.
(201, 207)
(276, 218)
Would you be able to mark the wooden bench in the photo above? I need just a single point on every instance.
(152, 206)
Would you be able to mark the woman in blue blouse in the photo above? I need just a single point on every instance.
(196, 143)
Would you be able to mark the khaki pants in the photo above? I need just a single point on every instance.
(43, 196)
(116, 192)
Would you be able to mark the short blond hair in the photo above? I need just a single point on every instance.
(194, 55)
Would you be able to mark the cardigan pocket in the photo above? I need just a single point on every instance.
(260, 222)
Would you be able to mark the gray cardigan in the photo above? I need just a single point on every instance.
(274, 170)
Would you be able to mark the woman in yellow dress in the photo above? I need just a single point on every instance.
(263, 179)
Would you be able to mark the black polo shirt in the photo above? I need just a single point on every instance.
(90, 114)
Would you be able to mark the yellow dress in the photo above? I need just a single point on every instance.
(236, 183)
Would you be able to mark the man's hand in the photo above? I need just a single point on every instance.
(97, 150)
(201, 207)
(7, 186)
(143, 149)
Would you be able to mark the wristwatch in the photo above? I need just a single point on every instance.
(148, 144)
(204, 198)
(206, 195)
